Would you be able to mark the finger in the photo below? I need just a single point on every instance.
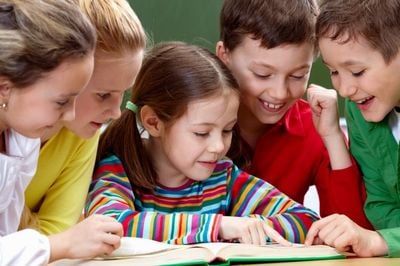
(316, 228)
(274, 235)
(112, 239)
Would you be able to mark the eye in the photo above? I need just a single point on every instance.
(261, 76)
(358, 74)
(201, 134)
(333, 72)
(298, 77)
(228, 131)
(62, 103)
(103, 96)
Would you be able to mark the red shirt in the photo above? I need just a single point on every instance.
(292, 156)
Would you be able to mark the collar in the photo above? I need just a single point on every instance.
(293, 120)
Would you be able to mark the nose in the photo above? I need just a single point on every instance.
(69, 114)
(115, 112)
(280, 90)
(345, 87)
(216, 145)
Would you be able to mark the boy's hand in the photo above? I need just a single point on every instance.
(343, 234)
(323, 103)
(248, 231)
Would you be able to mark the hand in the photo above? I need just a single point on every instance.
(343, 234)
(95, 235)
(323, 103)
(248, 231)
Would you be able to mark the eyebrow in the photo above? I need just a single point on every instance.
(213, 124)
(272, 67)
(345, 63)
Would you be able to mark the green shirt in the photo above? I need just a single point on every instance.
(377, 152)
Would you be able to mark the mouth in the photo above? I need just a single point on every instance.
(272, 107)
(96, 124)
(364, 103)
(208, 164)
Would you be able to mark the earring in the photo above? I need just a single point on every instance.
(3, 106)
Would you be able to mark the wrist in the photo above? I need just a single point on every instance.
(379, 245)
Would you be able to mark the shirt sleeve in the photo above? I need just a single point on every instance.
(63, 203)
(111, 194)
(382, 206)
(342, 191)
(26, 247)
(251, 196)
(392, 238)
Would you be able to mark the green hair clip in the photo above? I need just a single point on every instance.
(131, 106)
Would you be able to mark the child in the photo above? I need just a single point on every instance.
(46, 59)
(176, 186)
(360, 46)
(57, 193)
(292, 144)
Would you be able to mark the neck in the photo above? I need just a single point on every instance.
(250, 127)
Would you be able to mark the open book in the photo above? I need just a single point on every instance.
(140, 251)
(149, 252)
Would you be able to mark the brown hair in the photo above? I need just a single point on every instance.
(117, 26)
(173, 74)
(37, 36)
(273, 22)
(377, 21)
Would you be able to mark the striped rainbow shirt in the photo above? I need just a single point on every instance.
(192, 213)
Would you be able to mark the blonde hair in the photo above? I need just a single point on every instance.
(118, 28)
(37, 36)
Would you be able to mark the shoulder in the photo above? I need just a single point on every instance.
(110, 164)
(21, 146)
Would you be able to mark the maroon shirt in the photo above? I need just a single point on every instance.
(292, 156)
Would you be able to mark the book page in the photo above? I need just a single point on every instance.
(277, 252)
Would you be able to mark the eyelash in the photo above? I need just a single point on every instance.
(63, 103)
(103, 96)
(206, 134)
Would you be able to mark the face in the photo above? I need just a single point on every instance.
(37, 108)
(270, 80)
(206, 128)
(101, 99)
(360, 73)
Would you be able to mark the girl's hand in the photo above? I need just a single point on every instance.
(94, 236)
(248, 231)
(343, 234)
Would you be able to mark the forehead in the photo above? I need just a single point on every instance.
(283, 55)
(219, 108)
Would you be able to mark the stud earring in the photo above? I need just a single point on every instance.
(3, 106)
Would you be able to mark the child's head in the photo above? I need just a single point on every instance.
(121, 41)
(269, 47)
(359, 42)
(46, 59)
(187, 101)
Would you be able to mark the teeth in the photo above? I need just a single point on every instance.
(364, 100)
(273, 106)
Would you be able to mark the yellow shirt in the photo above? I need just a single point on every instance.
(58, 190)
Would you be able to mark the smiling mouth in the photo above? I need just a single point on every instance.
(365, 100)
(272, 107)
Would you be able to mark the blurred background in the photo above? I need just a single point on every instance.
(197, 22)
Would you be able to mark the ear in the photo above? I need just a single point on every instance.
(5, 89)
(222, 52)
(150, 121)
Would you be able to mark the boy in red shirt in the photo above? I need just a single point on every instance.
(270, 46)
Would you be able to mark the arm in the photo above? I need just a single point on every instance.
(254, 197)
(111, 194)
(63, 202)
(26, 247)
(338, 180)
(374, 148)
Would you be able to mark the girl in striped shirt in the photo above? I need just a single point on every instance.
(176, 185)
